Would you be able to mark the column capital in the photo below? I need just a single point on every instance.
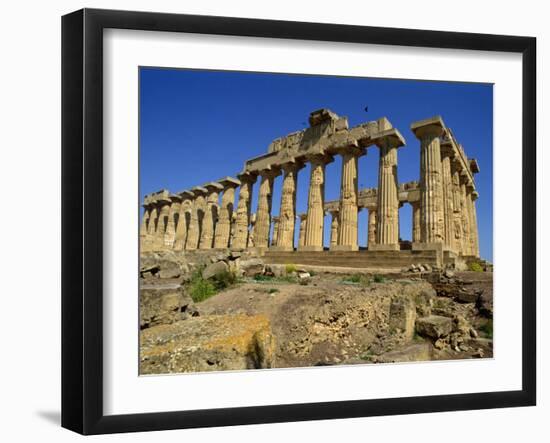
(229, 182)
(320, 158)
(292, 165)
(247, 177)
(175, 198)
(270, 172)
(430, 127)
(348, 146)
(213, 187)
(389, 137)
(199, 190)
(186, 195)
(447, 150)
(475, 195)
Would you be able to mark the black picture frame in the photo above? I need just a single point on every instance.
(82, 215)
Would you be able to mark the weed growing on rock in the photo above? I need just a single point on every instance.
(475, 266)
(487, 328)
(290, 268)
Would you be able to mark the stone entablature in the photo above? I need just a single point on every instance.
(443, 199)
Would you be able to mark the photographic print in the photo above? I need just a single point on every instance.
(291, 221)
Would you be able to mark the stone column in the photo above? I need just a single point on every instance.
(472, 228)
(275, 221)
(162, 224)
(303, 230)
(387, 220)
(223, 227)
(347, 229)
(242, 221)
(233, 227)
(431, 184)
(447, 155)
(210, 215)
(252, 232)
(371, 241)
(475, 196)
(334, 228)
(314, 228)
(143, 235)
(197, 214)
(152, 225)
(263, 213)
(170, 233)
(287, 216)
(181, 228)
(416, 222)
(464, 215)
(457, 207)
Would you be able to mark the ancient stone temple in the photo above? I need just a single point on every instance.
(442, 199)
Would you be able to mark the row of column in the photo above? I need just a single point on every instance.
(447, 214)
(444, 216)
(202, 226)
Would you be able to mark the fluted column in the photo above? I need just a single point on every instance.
(263, 213)
(387, 219)
(183, 222)
(416, 222)
(275, 220)
(334, 224)
(303, 228)
(457, 208)
(210, 215)
(232, 230)
(347, 229)
(287, 215)
(314, 227)
(143, 233)
(448, 201)
(162, 224)
(475, 233)
(431, 183)
(223, 227)
(170, 233)
(197, 215)
(240, 239)
(464, 215)
(153, 219)
(252, 232)
(371, 240)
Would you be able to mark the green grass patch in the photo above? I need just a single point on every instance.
(487, 328)
(475, 266)
(290, 268)
(356, 279)
(260, 277)
(272, 290)
(379, 278)
(201, 289)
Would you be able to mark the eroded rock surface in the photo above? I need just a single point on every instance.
(212, 343)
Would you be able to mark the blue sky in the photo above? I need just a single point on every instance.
(198, 126)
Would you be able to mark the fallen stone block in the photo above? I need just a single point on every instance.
(434, 326)
(215, 269)
(252, 267)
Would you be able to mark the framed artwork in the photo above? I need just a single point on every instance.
(269, 221)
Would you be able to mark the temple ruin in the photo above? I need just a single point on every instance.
(442, 200)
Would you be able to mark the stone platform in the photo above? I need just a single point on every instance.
(354, 259)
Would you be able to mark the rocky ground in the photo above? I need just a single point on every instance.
(265, 316)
